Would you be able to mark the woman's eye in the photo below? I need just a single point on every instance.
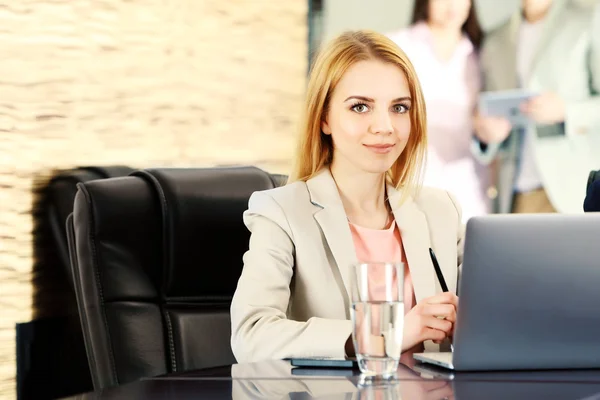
(400, 108)
(360, 108)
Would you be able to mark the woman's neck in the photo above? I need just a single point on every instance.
(363, 195)
(445, 40)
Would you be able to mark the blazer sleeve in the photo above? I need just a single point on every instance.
(259, 326)
(485, 153)
(583, 116)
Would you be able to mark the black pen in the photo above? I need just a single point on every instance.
(438, 271)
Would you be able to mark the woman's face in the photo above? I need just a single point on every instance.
(449, 13)
(368, 117)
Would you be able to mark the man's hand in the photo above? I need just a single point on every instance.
(547, 108)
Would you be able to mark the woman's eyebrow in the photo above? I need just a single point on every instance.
(370, 100)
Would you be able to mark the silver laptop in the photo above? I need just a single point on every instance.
(529, 294)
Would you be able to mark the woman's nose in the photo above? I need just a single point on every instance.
(382, 124)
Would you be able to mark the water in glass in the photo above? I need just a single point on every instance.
(378, 317)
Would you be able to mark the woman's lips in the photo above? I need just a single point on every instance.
(380, 148)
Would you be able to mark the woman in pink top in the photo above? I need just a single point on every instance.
(443, 43)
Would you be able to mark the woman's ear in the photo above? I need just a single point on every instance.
(325, 127)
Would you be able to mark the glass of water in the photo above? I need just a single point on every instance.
(378, 317)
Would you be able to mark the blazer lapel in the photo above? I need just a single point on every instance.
(414, 231)
(411, 222)
(332, 220)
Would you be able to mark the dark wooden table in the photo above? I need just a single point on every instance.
(277, 379)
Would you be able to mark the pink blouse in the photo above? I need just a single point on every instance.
(384, 245)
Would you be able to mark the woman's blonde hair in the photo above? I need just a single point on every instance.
(315, 149)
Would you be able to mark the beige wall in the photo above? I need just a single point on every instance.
(379, 15)
(141, 83)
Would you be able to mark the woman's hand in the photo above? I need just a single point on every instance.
(431, 319)
(491, 129)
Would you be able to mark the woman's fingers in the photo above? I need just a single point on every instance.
(433, 335)
(432, 319)
(445, 311)
(439, 324)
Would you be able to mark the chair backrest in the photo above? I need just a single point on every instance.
(50, 348)
(61, 195)
(279, 179)
(592, 198)
(156, 257)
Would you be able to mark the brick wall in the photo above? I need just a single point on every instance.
(141, 83)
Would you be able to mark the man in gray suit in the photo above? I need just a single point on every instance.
(551, 48)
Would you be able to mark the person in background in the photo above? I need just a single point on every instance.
(551, 48)
(443, 44)
(592, 198)
(354, 195)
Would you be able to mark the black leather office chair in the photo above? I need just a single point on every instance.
(61, 195)
(279, 179)
(50, 353)
(156, 257)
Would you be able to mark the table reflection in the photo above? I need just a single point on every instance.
(250, 381)
(407, 385)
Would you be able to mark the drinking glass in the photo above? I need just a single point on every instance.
(378, 316)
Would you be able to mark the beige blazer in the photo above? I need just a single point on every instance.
(566, 61)
(293, 296)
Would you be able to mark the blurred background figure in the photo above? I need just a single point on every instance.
(551, 48)
(443, 43)
(592, 199)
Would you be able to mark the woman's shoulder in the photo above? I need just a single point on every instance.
(284, 196)
(438, 202)
(409, 36)
(280, 204)
(399, 36)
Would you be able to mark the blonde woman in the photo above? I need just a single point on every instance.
(354, 195)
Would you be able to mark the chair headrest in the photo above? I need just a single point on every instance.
(60, 196)
(118, 233)
(204, 236)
